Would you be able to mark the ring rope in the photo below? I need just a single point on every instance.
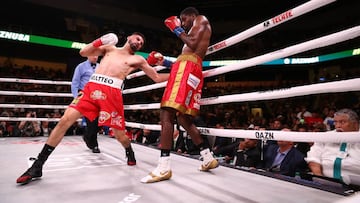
(142, 73)
(281, 53)
(145, 88)
(326, 87)
(265, 135)
(298, 48)
(46, 94)
(33, 106)
(29, 119)
(288, 51)
(261, 27)
(19, 80)
(329, 136)
(270, 23)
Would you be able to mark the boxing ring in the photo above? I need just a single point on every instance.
(74, 174)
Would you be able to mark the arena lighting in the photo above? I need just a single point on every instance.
(283, 61)
(323, 58)
(78, 45)
(40, 40)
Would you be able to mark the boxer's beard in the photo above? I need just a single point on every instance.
(133, 47)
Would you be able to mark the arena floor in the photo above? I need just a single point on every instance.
(74, 174)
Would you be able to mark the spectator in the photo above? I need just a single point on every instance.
(277, 124)
(314, 119)
(52, 124)
(30, 128)
(238, 146)
(284, 158)
(150, 137)
(337, 160)
(183, 143)
(45, 125)
(190, 146)
(4, 126)
(247, 153)
(303, 147)
(303, 112)
(329, 120)
(224, 145)
(179, 141)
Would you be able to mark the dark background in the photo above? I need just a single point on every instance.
(84, 20)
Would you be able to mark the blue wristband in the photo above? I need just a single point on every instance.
(167, 63)
(178, 31)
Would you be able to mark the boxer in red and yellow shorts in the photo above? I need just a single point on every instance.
(184, 86)
(102, 96)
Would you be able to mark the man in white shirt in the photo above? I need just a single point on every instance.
(337, 160)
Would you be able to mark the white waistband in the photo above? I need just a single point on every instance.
(106, 80)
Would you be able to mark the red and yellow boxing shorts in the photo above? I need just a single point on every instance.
(184, 86)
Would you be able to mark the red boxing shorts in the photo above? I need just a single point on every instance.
(184, 86)
(102, 97)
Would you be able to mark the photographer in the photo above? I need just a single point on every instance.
(30, 128)
(4, 132)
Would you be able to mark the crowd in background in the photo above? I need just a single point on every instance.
(230, 115)
(309, 113)
(305, 113)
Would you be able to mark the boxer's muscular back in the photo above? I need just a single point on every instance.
(201, 32)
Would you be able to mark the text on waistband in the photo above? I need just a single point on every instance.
(102, 79)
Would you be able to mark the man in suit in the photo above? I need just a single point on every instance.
(283, 158)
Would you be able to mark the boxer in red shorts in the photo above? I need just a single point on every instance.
(183, 91)
(99, 99)
(101, 95)
(186, 99)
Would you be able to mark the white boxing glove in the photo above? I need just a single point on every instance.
(108, 39)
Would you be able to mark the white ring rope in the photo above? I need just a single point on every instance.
(142, 106)
(329, 136)
(33, 106)
(340, 86)
(270, 23)
(29, 119)
(145, 88)
(337, 37)
(305, 46)
(18, 80)
(261, 27)
(334, 38)
(326, 87)
(141, 73)
(46, 94)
